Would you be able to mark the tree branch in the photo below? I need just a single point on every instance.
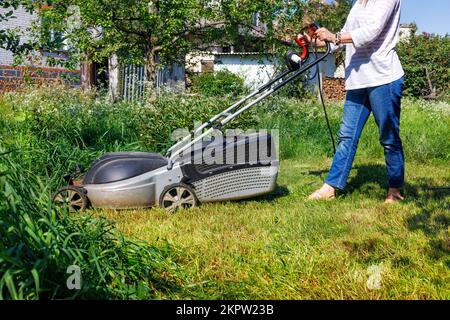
(196, 29)
(140, 33)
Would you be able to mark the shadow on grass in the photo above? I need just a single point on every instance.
(368, 178)
(433, 219)
(374, 177)
(433, 203)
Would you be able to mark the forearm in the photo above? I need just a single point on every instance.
(346, 38)
(326, 36)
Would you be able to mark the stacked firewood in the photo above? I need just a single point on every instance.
(334, 89)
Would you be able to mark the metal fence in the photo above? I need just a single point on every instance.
(133, 80)
(133, 83)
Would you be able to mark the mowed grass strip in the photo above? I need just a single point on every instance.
(284, 247)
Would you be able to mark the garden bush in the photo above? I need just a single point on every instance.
(221, 83)
(426, 58)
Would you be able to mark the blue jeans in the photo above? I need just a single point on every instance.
(385, 103)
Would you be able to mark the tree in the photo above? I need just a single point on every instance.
(142, 31)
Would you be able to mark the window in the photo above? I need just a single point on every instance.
(53, 41)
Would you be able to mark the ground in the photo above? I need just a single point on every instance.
(284, 247)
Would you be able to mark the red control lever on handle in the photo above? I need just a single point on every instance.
(303, 41)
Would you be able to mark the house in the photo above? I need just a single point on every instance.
(35, 69)
(407, 30)
(254, 67)
(122, 80)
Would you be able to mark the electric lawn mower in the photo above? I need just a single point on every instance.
(183, 178)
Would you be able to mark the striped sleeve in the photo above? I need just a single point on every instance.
(365, 35)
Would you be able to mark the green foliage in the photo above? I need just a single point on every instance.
(423, 54)
(219, 84)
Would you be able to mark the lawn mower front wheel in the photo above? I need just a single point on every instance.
(178, 196)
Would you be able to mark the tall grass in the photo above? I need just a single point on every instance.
(39, 243)
(53, 127)
(424, 129)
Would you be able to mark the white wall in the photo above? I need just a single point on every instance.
(22, 21)
(257, 70)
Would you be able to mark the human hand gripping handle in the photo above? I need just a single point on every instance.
(325, 36)
(320, 36)
(304, 39)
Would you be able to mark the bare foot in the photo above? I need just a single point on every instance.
(394, 196)
(327, 192)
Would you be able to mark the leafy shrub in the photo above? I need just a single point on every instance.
(423, 54)
(219, 84)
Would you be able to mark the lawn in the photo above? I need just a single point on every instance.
(275, 247)
(284, 247)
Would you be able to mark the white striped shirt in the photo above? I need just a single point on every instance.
(372, 59)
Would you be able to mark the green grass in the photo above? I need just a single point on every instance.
(284, 247)
(279, 246)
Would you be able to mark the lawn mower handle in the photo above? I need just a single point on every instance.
(227, 115)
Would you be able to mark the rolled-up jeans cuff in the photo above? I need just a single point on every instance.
(396, 186)
(334, 185)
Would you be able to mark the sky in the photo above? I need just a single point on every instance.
(431, 16)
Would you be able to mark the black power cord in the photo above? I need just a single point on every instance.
(317, 73)
(319, 79)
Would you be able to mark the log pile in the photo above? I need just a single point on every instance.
(334, 89)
